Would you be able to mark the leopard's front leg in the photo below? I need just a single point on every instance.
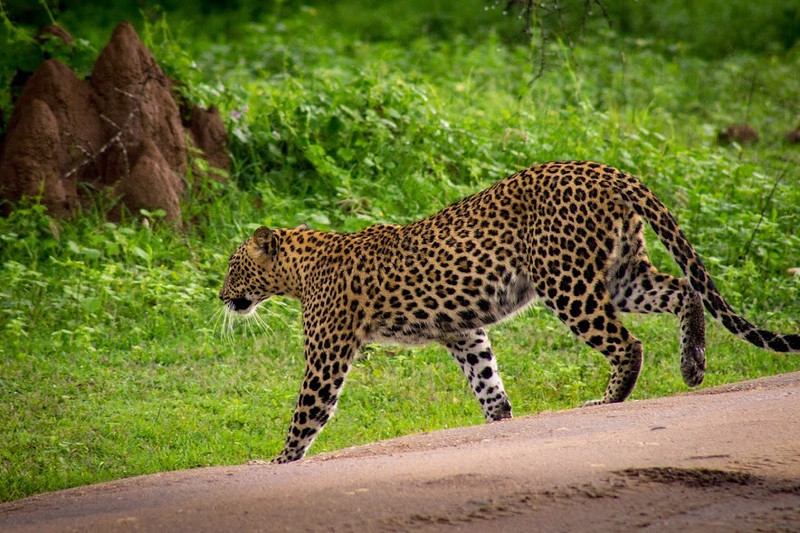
(473, 352)
(327, 365)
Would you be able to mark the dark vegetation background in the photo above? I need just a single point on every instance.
(115, 359)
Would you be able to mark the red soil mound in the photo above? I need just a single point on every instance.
(120, 130)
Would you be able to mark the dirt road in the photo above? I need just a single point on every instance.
(723, 459)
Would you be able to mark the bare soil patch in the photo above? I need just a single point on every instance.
(721, 459)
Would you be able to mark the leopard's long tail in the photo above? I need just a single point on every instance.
(649, 207)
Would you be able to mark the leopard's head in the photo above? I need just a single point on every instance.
(252, 273)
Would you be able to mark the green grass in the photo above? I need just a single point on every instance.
(112, 361)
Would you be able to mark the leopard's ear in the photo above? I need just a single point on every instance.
(266, 241)
(302, 226)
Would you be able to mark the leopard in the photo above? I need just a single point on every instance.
(569, 234)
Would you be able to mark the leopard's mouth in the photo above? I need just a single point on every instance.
(243, 306)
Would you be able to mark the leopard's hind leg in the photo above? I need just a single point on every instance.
(593, 318)
(636, 286)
